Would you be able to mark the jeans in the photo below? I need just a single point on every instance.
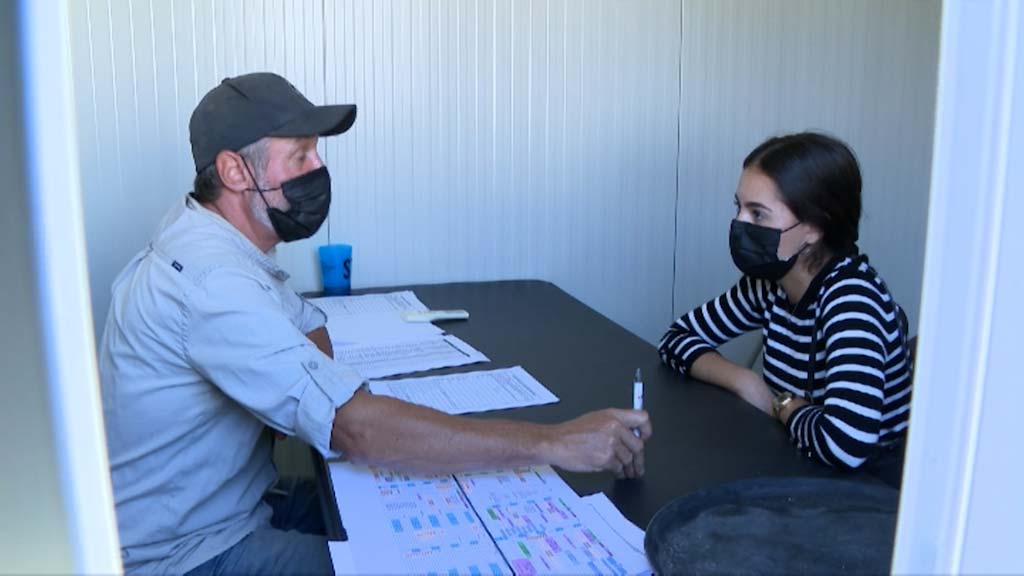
(294, 543)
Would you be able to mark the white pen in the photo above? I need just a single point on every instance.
(638, 396)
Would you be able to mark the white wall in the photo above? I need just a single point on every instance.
(592, 143)
(862, 70)
(494, 139)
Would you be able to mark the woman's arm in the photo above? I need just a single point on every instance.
(688, 346)
(843, 429)
(714, 323)
(741, 381)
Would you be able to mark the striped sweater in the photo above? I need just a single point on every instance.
(860, 398)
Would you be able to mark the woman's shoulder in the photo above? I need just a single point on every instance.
(853, 276)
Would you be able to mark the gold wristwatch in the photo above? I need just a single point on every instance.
(780, 402)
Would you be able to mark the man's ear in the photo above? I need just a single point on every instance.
(232, 172)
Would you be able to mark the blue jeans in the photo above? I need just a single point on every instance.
(294, 543)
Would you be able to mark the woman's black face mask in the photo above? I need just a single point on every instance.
(755, 250)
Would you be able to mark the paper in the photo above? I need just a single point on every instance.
(400, 302)
(404, 524)
(380, 359)
(469, 391)
(341, 558)
(516, 521)
(376, 328)
(372, 318)
(629, 532)
(543, 527)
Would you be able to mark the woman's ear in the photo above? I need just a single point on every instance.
(814, 235)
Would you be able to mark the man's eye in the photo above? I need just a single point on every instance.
(758, 215)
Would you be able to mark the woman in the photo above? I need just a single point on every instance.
(836, 363)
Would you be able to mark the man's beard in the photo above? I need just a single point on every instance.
(258, 207)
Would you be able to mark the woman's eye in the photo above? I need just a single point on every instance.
(758, 215)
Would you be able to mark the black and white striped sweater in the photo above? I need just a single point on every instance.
(860, 398)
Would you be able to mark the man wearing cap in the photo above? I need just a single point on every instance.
(207, 353)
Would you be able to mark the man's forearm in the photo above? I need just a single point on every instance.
(384, 431)
(417, 438)
(322, 339)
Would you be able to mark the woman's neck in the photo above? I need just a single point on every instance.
(796, 281)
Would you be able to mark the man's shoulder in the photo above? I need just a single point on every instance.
(195, 247)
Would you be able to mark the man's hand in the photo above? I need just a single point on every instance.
(602, 440)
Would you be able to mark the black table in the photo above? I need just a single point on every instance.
(703, 435)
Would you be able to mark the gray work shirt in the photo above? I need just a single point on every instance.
(204, 348)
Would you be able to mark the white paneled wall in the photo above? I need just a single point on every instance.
(862, 70)
(140, 67)
(592, 143)
(517, 139)
(510, 139)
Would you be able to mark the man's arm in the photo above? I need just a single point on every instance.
(385, 431)
(322, 339)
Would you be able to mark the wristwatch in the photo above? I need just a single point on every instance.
(780, 402)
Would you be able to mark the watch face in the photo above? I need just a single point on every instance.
(781, 400)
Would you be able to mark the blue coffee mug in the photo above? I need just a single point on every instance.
(336, 268)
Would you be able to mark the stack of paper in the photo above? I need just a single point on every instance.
(516, 521)
(469, 391)
(369, 334)
(373, 318)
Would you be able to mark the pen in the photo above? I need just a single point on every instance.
(638, 396)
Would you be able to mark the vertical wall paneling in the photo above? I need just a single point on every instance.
(140, 67)
(594, 144)
(510, 139)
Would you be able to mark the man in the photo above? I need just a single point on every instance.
(207, 353)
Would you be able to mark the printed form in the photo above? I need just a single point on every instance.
(370, 335)
(516, 521)
(469, 391)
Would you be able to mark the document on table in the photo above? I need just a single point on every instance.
(373, 318)
(380, 359)
(341, 558)
(404, 301)
(469, 391)
(403, 524)
(515, 521)
(629, 532)
(375, 328)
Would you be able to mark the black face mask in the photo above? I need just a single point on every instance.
(755, 250)
(310, 198)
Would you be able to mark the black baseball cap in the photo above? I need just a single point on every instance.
(243, 109)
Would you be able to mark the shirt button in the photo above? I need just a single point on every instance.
(313, 365)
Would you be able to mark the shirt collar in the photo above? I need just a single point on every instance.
(257, 256)
(832, 266)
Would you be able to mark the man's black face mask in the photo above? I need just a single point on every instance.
(309, 197)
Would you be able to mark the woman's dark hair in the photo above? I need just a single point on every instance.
(819, 180)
